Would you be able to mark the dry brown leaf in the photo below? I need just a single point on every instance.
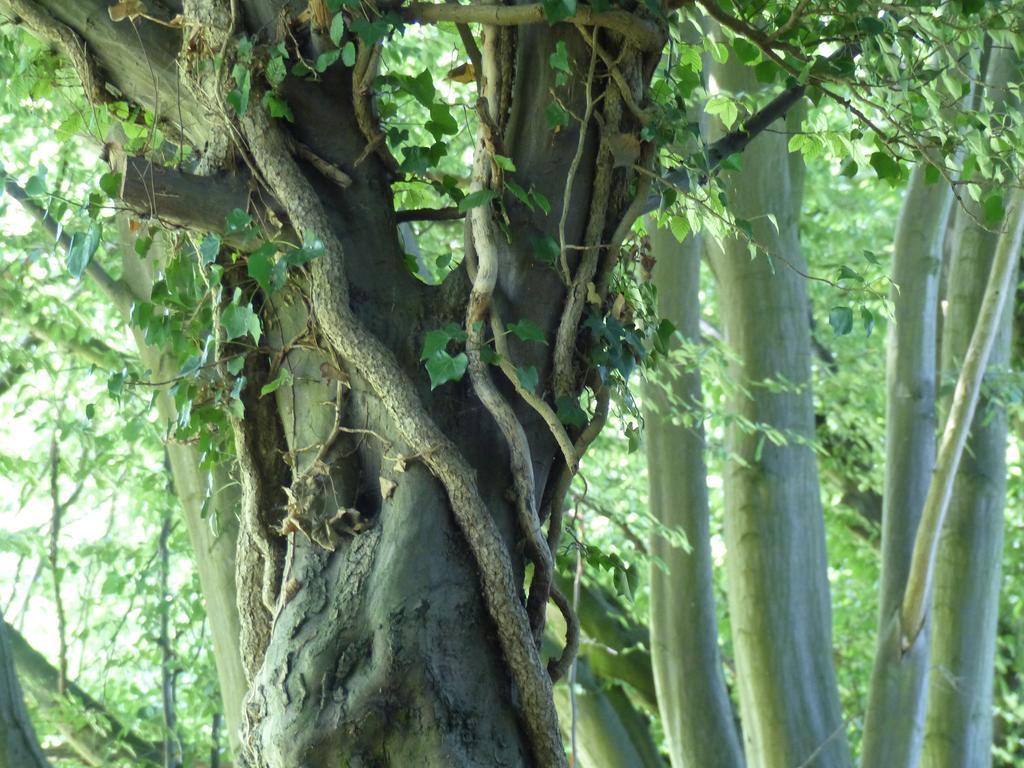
(387, 488)
(127, 9)
(400, 464)
(464, 73)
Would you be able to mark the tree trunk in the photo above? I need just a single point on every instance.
(779, 605)
(895, 713)
(958, 728)
(696, 712)
(380, 561)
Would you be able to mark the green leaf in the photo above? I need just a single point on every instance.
(519, 193)
(110, 183)
(239, 320)
(238, 220)
(36, 186)
(724, 107)
(261, 264)
(845, 273)
(437, 341)
(559, 60)
(841, 320)
(83, 246)
(442, 368)
(569, 412)
(278, 107)
(541, 201)
(337, 28)
(474, 199)
(209, 249)
(524, 330)
(528, 377)
(885, 166)
(326, 59)
(546, 249)
(283, 377)
(868, 318)
(505, 163)
(276, 71)
(972, 6)
(348, 54)
(556, 115)
(559, 10)
(993, 208)
(312, 248)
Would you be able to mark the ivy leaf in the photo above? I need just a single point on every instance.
(556, 115)
(437, 341)
(505, 163)
(528, 377)
(261, 264)
(841, 320)
(209, 249)
(238, 220)
(83, 246)
(474, 199)
(569, 412)
(312, 248)
(559, 10)
(239, 320)
(527, 331)
(443, 368)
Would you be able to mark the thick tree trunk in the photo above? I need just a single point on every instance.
(779, 605)
(696, 712)
(958, 728)
(895, 713)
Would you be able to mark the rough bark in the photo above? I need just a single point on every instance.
(895, 713)
(779, 605)
(958, 728)
(19, 747)
(696, 712)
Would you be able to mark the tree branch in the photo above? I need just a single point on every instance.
(115, 290)
(638, 32)
(100, 738)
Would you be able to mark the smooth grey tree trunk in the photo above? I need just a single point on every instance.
(696, 713)
(214, 537)
(965, 604)
(958, 727)
(895, 712)
(779, 604)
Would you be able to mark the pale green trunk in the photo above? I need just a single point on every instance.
(213, 536)
(779, 604)
(696, 713)
(895, 713)
(965, 605)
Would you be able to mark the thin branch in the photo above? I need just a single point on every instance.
(115, 290)
(54, 558)
(429, 214)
